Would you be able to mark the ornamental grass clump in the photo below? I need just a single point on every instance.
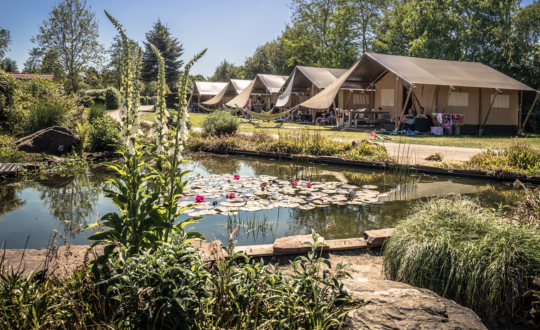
(466, 253)
(219, 123)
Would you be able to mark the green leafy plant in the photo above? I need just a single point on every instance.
(44, 116)
(466, 253)
(95, 111)
(104, 134)
(220, 123)
(83, 131)
(112, 98)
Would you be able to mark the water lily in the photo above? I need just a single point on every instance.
(179, 197)
(231, 195)
(308, 185)
(199, 199)
(237, 177)
(295, 184)
(319, 199)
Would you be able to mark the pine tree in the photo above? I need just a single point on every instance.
(171, 50)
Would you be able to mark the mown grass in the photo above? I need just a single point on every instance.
(469, 254)
(305, 144)
(473, 141)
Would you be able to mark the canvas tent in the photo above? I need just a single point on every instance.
(205, 90)
(265, 86)
(305, 82)
(231, 90)
(491, 101)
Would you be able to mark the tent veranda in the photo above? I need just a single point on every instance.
(231, 90)
(490, 100)
(205, 90)
(265, 86)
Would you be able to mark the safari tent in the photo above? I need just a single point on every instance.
(490, 101)
(205, 90)
(230, 91)
(265, 86)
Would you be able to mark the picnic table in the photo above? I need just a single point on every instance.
(358, 117)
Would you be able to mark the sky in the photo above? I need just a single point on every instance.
(230, 29)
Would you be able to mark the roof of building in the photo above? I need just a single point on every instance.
(208, 87)
(49, 76)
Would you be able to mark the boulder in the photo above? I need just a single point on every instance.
(394, 305)
(53, 140)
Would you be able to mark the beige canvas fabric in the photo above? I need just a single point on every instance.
(208, 88)
(242, 98)
(232, 88)
(273, 83)
(283, 99)
(324, 99)
(321, 77)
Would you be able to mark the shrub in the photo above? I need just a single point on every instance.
(95, 111)
(45, 115)
(112, 98)
(142, 100)
(5, 141)
(520, 158)
(8, 88)
(220, 123)
(13, 120)
(464, 252)
(82, 130)
(104, 134)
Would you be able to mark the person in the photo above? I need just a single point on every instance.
(409, 117)
(421, 113)
(250, 103)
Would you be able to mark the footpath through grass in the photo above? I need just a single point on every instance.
(482, 142)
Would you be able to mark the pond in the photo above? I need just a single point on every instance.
(35, 209)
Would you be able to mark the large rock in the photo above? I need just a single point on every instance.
(394, 305)
(53, 140)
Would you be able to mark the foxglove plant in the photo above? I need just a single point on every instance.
(146, 218)
(161, 113)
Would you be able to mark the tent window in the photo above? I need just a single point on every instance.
(360, 99)
(502, 101)
(459, 99)
(387, 97)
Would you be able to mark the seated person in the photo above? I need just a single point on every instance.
(409, 117)
(421, 114)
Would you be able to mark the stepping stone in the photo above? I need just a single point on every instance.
(295, 244)
(377, 237)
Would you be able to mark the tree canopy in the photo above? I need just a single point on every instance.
(70, 32)
(5, 41)
(227, 71)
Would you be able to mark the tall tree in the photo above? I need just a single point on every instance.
(329, 28)
(8, 65)
(226, 71)
(170, 48)
(367, 13)
(33, 62)
(5, 41)
(268, 58)
(71, 31)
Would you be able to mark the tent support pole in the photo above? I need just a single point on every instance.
(448, 97)
(479, 108)
(520, 111)
(188, 102)
(529, 114)
(403, 109)
(489, 111)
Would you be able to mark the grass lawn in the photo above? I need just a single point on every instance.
(149, 116)
(483, 142)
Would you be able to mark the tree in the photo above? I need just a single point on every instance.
(171, 50)
(268, 58)
(368, 11)
(324, 32)
(71, 32)
(33, 63)
(8, 65)
(113, 72)
(92, 78)
(227, 71)
(5, 41)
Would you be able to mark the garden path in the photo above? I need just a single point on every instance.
(115, 114)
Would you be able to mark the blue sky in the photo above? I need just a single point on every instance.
(230, 29)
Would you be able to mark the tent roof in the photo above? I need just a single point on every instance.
(271, 83)
(305, 76)
(239, 85)
(414, 70)
(208, 88)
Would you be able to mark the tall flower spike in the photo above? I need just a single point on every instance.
(161, 112)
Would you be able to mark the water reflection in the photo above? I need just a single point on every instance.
(36, 208)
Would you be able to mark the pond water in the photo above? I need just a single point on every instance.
(35, 209)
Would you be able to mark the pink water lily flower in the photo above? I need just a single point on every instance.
(231, 195)
(295, 183)
(308, 185)
(237, 177)
(199, 199)
(179, 197)
(319, 199)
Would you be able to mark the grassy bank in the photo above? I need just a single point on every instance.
(473, 141)
(478, 257)
(308, 143)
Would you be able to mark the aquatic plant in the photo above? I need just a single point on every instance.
(237, 177)
(466, 253)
